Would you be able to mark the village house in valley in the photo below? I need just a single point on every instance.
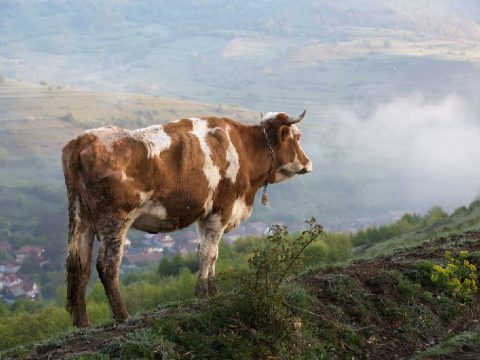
(16, 271)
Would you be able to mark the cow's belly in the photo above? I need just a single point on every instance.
(154, 224)
(153, 217)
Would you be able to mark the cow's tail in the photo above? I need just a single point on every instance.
(78, 211)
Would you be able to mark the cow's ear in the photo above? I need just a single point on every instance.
(284, 133)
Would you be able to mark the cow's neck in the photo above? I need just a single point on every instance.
(259, 156)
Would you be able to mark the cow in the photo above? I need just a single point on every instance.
(163, 178)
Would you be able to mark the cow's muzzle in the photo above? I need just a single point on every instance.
(306, 169)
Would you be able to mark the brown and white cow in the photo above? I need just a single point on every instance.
(163, 178)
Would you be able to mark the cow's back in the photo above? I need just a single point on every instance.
(166, 177)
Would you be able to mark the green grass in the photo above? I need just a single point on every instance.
(465, 340)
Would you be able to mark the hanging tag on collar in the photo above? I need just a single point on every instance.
(265, 195)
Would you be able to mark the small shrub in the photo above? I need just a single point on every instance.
(474, 258)
(460, 210)
(423, 272)
(448, 308)
(427, 296)
(434, 215)
(458, 276)
(270, 268)
(474, 204)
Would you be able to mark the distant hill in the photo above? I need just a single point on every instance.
(256, 54)
(38, 119)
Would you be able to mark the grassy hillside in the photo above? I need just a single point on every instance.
(365, 309)
(403, 234)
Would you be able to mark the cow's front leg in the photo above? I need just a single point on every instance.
(210, 231)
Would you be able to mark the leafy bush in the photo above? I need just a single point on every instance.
(458, 276)
(30, 327)
(435, 215)
(173, 266)
(460, 210)
(474, 204)
(329, 248)
(269, 269)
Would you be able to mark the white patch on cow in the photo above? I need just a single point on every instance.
(309, 166)
(212, 172)
(270, 115)
(76, 211)
(108, 135)
(294, 130)
(208, 205)
(125, 177)
(232, 158)
(144, 196)
(210, 231)
(153, 208)
(288, 170)
(154, 138)
(150, 215)
(86, 239)
(240, 212)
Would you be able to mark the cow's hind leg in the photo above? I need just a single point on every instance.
(212, 285)
(78, 264)
(108, 264)
(210, 231)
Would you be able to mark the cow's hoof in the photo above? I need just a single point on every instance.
(201, 290)
(83, 323)
(212, 287)
(121, 318)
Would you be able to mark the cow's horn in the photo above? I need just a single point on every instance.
(298, 118)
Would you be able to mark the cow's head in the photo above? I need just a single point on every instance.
(284, 137)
